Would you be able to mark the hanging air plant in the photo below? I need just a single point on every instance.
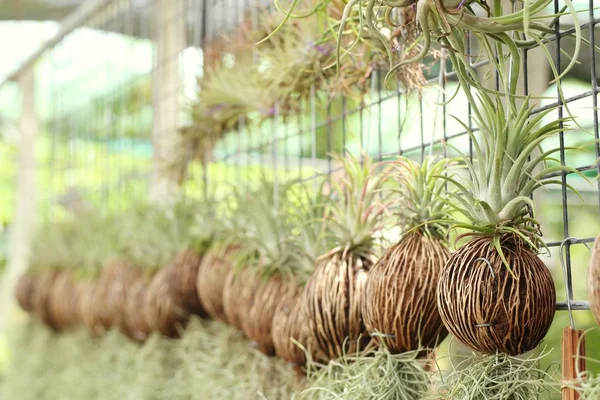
(401, 287)
(54, 293)
(333, 296)
(150, 241)
(372, 374)
(450, 22)
(237, 89)
(593, 280)
(269, 259)
(495, 294)
(212, 277)
(24, 291)
(498, 377)
(289, 330)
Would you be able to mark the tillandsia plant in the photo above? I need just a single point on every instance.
(450, 21)
(333, 295)
(154, 237)
(370, 374)
(593, 280)
(48, 289)
(199, 234)
(270, 259)
(495, 294)
(218, 260)
(306, 210)
(498, 377)
(303, 54)
(237, 89)
(400, 298)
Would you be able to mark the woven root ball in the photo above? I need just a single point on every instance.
(400, 301)
(92, 308)
(332, 304)
(186, 266)
(259, 323)
(63, 301)
(212, 275)
(288, 325)
(488, 309)
(594, 280)
(238, 296)
(24, 291)
(162, 312)
(40, 298)
(134, 324)
(116, 281)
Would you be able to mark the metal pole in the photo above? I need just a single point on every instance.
(167, 172)
(25, 204)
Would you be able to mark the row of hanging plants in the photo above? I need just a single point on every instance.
(314, 278)
(311, 275)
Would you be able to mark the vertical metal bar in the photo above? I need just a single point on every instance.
(561, 137)
(313, 130)
(594, 82)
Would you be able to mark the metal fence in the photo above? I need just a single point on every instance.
(114, 87)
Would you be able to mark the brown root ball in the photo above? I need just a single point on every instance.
(259, 323)
(134, 324)
(40, 304)
(162, 313)
(91, 308)
(594, 280)
(212, 275)
(288, 325)
(63, 301)
(400, 301)
(116, 281)
(185, 267)
(332, 304)
(238, 296)
(487, 307)
(24, 291)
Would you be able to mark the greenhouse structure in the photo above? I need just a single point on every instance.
(300, 199)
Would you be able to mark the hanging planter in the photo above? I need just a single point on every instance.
(41, 296)
(400, 298)
(593, 280)
(24, 291)
(63, 300)
(150, 241)
(289, 329)
(495, 294)
(267, 264)
(185, 268)
(334, 293)
(212, 277)
(134, 324)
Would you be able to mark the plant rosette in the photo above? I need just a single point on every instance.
(400, 299)
(334, 293)
(289, 330)
(267, 260)
(495, 294)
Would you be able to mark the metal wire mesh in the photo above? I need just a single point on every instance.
(103, 112)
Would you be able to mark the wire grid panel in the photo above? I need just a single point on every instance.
(419, 124)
